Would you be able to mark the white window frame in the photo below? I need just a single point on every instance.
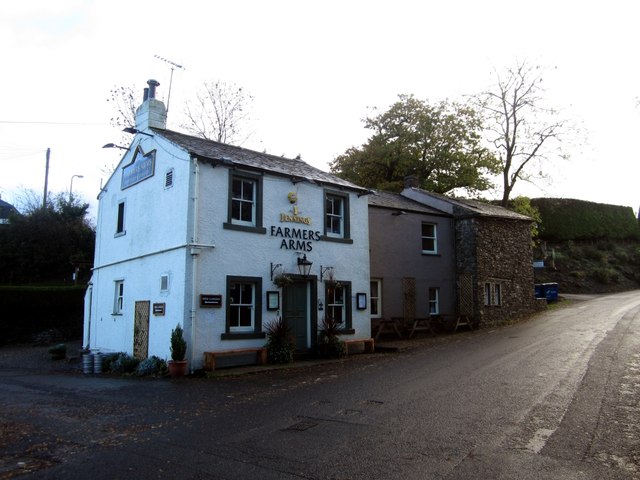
(240, 303)
(375, 297)
(492, 294)
(434, 300)
(332, 214)
(242, 201)
(118, 298)
(433, 238)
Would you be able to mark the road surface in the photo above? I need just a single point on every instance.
(555, 397)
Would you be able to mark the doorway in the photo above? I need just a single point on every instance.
(297, 313)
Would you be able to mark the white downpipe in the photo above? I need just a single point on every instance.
(194, 261)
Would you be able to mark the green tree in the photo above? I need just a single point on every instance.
(47, 244)
(440, 144)
(523, 130)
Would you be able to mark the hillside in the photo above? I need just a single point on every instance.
(590, 267)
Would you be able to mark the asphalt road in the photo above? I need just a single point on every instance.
(555, 397)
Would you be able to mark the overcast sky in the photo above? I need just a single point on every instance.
(314, 69)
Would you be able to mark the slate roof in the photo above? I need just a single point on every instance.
(222, 153)
(463, 207)
(398, 202)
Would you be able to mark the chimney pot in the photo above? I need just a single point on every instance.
(152, 87)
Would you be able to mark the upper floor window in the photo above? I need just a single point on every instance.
(245, 203)
(429, 238)
(336, 216)
(120, 220)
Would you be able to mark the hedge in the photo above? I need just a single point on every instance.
(28, 311)
(569, 219)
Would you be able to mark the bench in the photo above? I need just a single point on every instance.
(422, 325)
(367, 342)
(210, 357)
(382, 325)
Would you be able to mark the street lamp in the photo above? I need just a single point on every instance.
(71, 186)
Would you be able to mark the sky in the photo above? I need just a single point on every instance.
(315, 70)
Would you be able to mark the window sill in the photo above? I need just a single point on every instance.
(120, 234)
(243, 228)
(325, 238)
(431, 254)
(242, 336)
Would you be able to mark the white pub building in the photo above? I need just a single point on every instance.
(202, 234)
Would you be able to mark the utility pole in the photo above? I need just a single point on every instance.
(46, 180)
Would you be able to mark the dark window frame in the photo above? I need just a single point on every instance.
(346, 217)
(257, 226)
(120, 219)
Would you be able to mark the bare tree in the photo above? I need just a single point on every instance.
(524, 132)
(219, 111)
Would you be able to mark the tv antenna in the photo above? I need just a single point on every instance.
(174, 65)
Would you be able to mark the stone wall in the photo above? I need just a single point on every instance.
(497, 251)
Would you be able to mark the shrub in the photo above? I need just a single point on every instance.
(329, 345)
(152, 366)
(591, 253)
(606, 275)
(281, 344)
(178, 344)
(124, 363)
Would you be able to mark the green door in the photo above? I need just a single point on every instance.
(296, 313)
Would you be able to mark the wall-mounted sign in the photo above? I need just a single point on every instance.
(210, 300)
(159, 309)
(140, 168)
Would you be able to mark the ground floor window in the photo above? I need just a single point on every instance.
(244, 307)
(338, 303)
(118, 300)
(434, 301)
(492, 294)
(375, 298)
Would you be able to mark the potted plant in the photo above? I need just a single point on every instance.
(329, 343)
(281, 344)
(178, 364)
(282, 280)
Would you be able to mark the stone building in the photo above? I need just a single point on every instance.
(493, 258)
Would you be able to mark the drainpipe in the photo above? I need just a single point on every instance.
(194, 259)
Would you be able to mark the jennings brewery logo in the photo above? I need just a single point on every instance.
(294, 216)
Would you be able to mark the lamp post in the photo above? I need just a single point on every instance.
(304, 266)
(71, 186)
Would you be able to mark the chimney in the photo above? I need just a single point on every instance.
(152, 112)
(411, 181)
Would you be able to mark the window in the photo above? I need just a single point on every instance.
(429, 238)
(336, 216)
(434, 301)
(120, 221)
(164, 283)
(244, 308)
(338, 303)
(375, 298)
(492, 294)
(168, 179)
(245, 203)
(118, 301)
